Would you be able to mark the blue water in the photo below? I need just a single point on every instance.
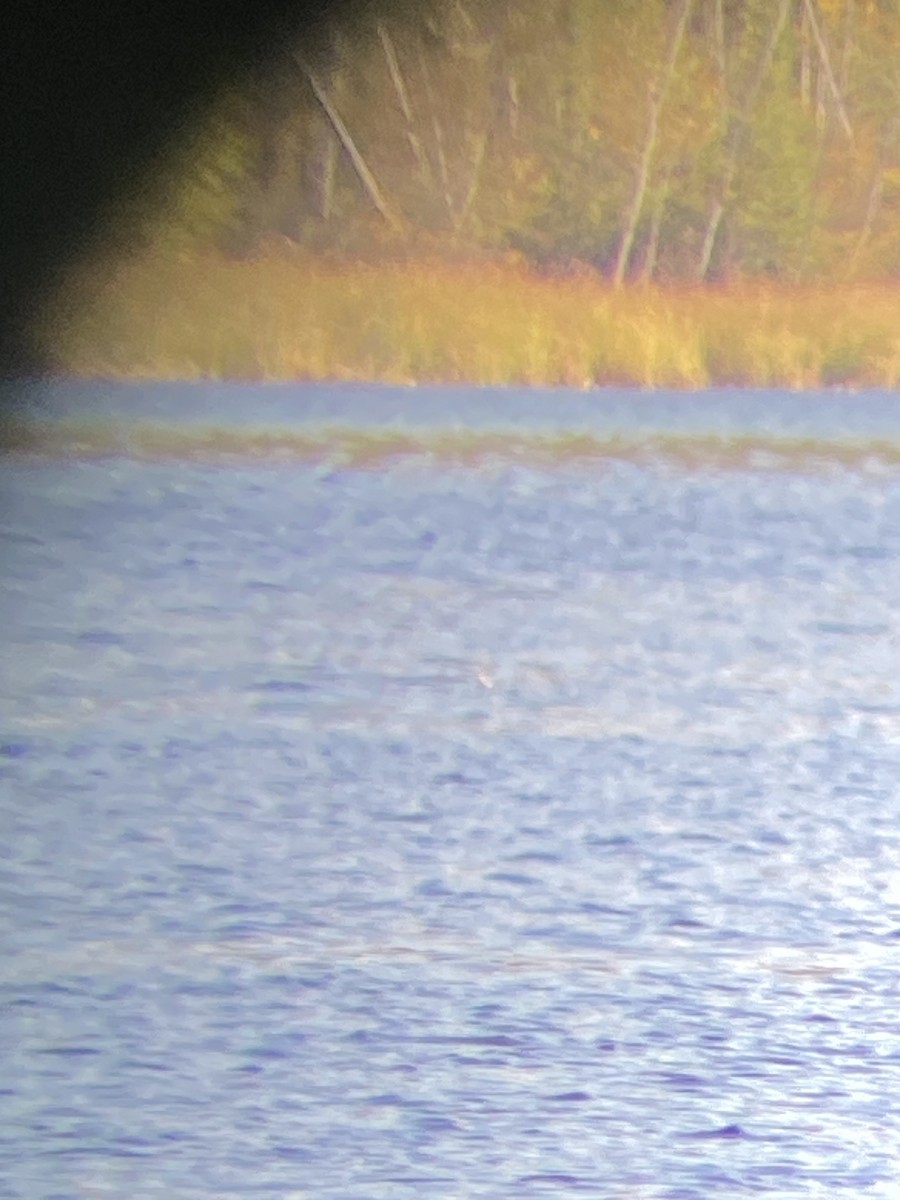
(726, 411)
(504, 830)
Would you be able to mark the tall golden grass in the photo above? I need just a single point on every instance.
(286, 316)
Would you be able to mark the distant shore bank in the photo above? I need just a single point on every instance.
(283, 317)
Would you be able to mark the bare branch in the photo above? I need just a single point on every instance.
(366, 178)
(403, 99)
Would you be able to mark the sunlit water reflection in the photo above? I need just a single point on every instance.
(503, 829)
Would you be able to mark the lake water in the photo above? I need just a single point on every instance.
(441, 793)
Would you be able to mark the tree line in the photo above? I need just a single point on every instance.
(682, 140)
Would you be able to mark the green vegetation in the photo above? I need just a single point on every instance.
(656, 192)
(657, 139)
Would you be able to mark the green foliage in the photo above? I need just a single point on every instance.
(775, 193)
(484, 125)
(196, 199)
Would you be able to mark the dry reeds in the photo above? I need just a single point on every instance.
(288, 316)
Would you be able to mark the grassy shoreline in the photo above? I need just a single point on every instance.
(285, 316)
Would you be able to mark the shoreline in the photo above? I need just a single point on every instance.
(292, 318)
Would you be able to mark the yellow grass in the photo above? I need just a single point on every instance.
(287, 316)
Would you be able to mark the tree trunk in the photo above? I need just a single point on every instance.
(825, 60)
(734, 141)
(651, 251)
(365, 176)
(477, 160)
(657, 98)
(876, 194)
(329, 167)
(438, 131)
(405, 107)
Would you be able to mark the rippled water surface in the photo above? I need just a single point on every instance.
(463, 817)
